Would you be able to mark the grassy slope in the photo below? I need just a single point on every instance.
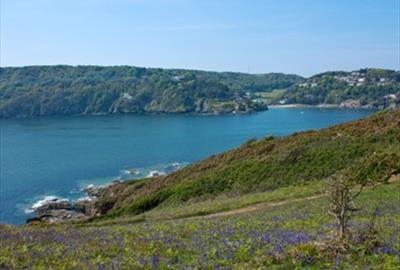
(221, 205)
(367, 149)
(282, 237)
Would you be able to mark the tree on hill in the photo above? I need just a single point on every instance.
(345, 187)
(342, 195)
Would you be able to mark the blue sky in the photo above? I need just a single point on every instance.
(292, 36)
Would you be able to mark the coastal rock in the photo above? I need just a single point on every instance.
(86, 207)
(62, 216)
(55, 210)
(96, 191)
(55, 204)
(93, 191)
(33, 219)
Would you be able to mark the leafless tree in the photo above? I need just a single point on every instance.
(342, 194)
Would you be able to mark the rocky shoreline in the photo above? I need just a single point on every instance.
(57, 210)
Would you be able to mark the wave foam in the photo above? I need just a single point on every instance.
(155, 173)
(86, 198)
(131, 172)
(42, 202)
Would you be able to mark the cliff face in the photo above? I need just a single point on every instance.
(65, 90)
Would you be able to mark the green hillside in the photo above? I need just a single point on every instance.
(373, 88)
(69, 90)
(367, 149)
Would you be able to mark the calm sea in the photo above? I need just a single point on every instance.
(59, 156)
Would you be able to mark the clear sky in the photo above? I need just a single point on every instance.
(256, 36)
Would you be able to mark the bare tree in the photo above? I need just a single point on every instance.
(342, 194)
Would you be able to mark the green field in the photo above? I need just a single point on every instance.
(270, 97)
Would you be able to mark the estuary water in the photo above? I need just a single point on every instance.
(59, 156)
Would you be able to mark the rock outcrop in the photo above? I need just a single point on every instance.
(61, 210)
